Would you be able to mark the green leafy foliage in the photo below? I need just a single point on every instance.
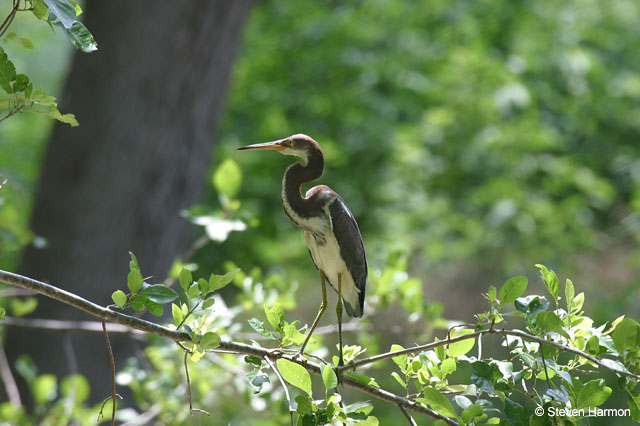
(295, 374)
(62, 14)
(512, 289)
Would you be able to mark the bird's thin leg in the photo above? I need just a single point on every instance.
(323, 307)
(339, 314)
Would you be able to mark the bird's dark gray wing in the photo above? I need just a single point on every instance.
(349, 240)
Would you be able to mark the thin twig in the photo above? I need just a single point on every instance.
(113, 374)
(186, 370)
(408, 415)
(65, 326)
(7, 22)
(284, 386)
(9, 382)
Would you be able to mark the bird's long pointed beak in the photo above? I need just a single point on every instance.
(275, 145)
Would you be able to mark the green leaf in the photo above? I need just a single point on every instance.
(485, 375)
(76, 386)
(578, 301)
(291, 334)
(227, 178)
(2, 313)
(210, 340)
(20, 307)
(462, 347)
(634, 405)
(24, 42)
(512, 289)
(204, 286)
(369, 421)
(492, 293)
(531, 305)
(44, 388)
(221, 281)
(153, 307)
(21, 84)
(399, 379)
(593, 394)
(194, 291)
(401, 361)
(258, 326)
(438, 402)
(626, 334)
(7, 72)
(134, 281)
(549, 321)
(550, 281)
(362, 378)
(63, 118)
(137, 302)
(63, 10)
(40, 10)
(253, 360)
(66, 15)
(516, 414)
(305, 405)
(448, 366)
(275, 315)
(186, 279)
(159, 293)
(81, 38)
(77, 7)
(569, 294)
(178, 315)
(208, 303)
(119, 298)
(471, 413)
(329, 377)
(133, 262)
(295, 374)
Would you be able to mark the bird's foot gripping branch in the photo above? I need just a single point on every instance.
(552, 360)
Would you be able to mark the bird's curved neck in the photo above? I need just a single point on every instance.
(296, 175)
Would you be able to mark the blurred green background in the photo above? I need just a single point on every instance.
(471, 140)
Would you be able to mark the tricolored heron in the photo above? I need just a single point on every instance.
(330, 230)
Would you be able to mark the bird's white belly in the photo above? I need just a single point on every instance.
(327, 258)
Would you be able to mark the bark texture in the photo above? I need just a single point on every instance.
(147, 102)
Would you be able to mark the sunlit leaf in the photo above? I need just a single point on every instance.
(210, 340)
(512, 289)
(438, 402)
(550, 280)
(295, 374)
(329, 377)
(462, 347)
(159, 293)
(593, 394)
(227, 178)
(119, 298)
(178, 315)
(626, 334)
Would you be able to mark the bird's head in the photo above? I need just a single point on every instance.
(298, 145)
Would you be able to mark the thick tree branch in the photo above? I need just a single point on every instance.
(241, 348)
(175, 335)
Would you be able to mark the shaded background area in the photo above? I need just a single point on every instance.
(471, 140)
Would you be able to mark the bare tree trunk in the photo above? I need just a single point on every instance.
(147, 102)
